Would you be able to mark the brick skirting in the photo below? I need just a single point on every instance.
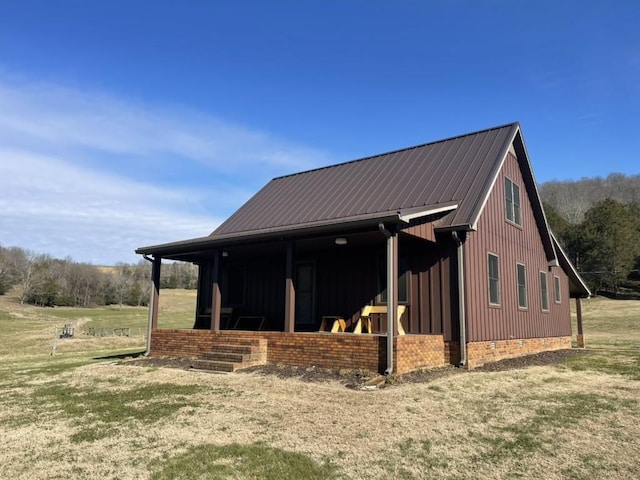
(325, 350)
(479, 353)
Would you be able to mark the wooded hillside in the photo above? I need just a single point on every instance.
(47, 281)
(597, 221)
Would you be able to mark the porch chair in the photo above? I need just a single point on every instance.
(204, 317)
(337, 324)
(249, 322)
(226, 313)
(365, 317)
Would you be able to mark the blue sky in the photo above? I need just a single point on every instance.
(130, 123)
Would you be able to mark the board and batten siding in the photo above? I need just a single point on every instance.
(512, 244)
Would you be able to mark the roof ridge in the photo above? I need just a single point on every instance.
(390, 152)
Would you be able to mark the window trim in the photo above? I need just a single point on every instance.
(557, 292)
(544, 294)
(497, 280)
(512, 205)
(526, 295)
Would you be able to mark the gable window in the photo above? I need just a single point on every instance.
(544, 294)
(556, 289)
(512, 201)
(493, 268)
(403, 280)
(522, 285)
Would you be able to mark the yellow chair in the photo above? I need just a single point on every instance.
(337, 324)
(365, 317)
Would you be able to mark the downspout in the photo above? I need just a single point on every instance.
(148, 349)
(461, 299)
(391, 308)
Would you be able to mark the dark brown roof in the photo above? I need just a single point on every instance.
(455, 174)
(458, 170)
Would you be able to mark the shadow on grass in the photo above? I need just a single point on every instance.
(121, 356)
(257, 460)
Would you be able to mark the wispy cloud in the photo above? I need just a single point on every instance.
(55, 115)
(51, 206)
(81, 172)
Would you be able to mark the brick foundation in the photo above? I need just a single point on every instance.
(479, 353)
(325, 350)
(413, 352)
(452, 353)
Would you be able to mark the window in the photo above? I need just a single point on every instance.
(512, 201)
(556, 289)
(403, 280)
(494, 279)
(544, 294)
(522, 285)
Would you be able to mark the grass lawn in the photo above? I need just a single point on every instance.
(78, 414)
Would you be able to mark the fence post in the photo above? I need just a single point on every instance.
(55, 341)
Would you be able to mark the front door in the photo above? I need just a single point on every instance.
(305, 296)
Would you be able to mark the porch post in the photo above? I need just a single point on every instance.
(579, 322)
(155, 292)
(216, 297)
(290, 293)
(392, 296)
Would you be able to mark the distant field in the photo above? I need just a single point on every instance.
(80, 415)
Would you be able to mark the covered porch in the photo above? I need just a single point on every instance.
(292, 291)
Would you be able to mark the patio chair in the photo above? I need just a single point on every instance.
(337, 324)
(367, 311)
(249, 322)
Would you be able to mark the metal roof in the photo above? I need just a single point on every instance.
(454, 176)
(458, 170)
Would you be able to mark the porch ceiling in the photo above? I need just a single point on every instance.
(302, 245)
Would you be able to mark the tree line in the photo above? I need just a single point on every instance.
(40, 279)
(597, 222)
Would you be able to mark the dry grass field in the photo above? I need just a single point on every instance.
(84, 414)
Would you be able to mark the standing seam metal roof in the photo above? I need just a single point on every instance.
(459, 169)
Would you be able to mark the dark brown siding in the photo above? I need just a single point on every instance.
(431, 290)
(513, 245)
(346, 280)
(423, 230)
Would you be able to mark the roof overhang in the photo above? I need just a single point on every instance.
(291, 232)
(421, 212)
(577, 286)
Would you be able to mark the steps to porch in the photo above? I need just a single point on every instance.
(229, 355)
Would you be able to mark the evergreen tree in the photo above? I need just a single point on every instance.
(610, 243)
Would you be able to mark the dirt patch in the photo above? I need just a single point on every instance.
(536, 360)
(357, 378)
